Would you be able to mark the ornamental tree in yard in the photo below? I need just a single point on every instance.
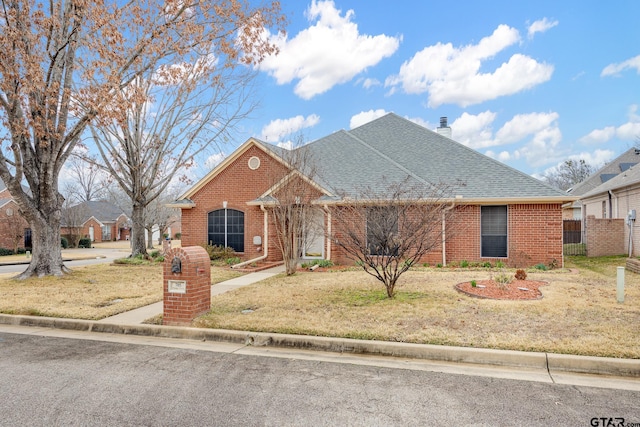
(387, 228)
(66, 64)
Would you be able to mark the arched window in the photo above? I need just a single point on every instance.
(226, 228)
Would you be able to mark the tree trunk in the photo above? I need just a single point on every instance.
(46, 259)
(149, 238)
(138, 245)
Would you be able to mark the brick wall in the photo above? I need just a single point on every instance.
(534, 236)
(12, 225)
(236, 184)
(182, 308)
(605, 236)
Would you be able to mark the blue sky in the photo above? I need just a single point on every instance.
(528, 83)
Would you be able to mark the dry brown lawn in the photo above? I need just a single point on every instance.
(578, 313)
(92, 292)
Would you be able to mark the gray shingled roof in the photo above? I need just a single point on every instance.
(629, 177)
(395, 148)
(607, 172)
(103, 211)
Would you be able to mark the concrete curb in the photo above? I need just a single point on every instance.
(478, 356)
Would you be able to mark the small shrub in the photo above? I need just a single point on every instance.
(154, 254)
(487, 264)
(521, 274)
(503, 279)
(5, 252)
(85, 242)
(453, 264)
(540, 267)
(473, 284)
(425, 264)
(232, 260)
(464, 263)
(64, 242)
(178, 236)
(438, 265)
(499, 264)
(217, 252)
(324, 263)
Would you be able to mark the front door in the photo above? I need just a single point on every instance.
(313, 238)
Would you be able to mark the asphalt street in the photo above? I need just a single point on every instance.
(55, 381)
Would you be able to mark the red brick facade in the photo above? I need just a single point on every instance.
(12, 225)
(534, 230)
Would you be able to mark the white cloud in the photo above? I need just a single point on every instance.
(330, 52)
(474, 130)
(540, 26)
(616, 69)
(629, 131)
(279, 128)
(452, 75)
(369, 83)
(214, 160)
(598, 136)
(543, 148)
(523, 125)
(365, 117)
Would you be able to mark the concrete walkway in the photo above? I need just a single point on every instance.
(139, 315)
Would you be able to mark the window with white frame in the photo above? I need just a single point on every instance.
(493, 231)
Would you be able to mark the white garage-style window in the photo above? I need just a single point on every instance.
(493, 231)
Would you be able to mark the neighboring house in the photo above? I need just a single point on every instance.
(501, 213)
(100, 221)
(629, 158)
(607, 209)
(14, 229)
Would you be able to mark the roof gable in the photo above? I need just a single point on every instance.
(607, 172)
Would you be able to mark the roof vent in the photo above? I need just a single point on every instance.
(444, 129)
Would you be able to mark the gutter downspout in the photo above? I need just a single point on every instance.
(611, 204)
(329, 244)
(444, 237)
(265, 241)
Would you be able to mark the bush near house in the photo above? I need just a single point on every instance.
(85, 242)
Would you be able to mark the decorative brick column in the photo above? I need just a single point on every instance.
(187, 292)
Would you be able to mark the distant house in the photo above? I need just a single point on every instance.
(622, 163)
(610, 211)
(100, 221)
(506, 214)
(15, 232)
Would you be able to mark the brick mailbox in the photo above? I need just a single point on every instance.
(187, 285)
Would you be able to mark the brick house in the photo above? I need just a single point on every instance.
(506, 214)
(606, 209)
(100, 221)
(14, 229)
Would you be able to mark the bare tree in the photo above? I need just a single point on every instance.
(73, 219)
(86, 181)
(291, 206)
(568, 174)
(66, 64)
(389, 227)
(158, 215)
